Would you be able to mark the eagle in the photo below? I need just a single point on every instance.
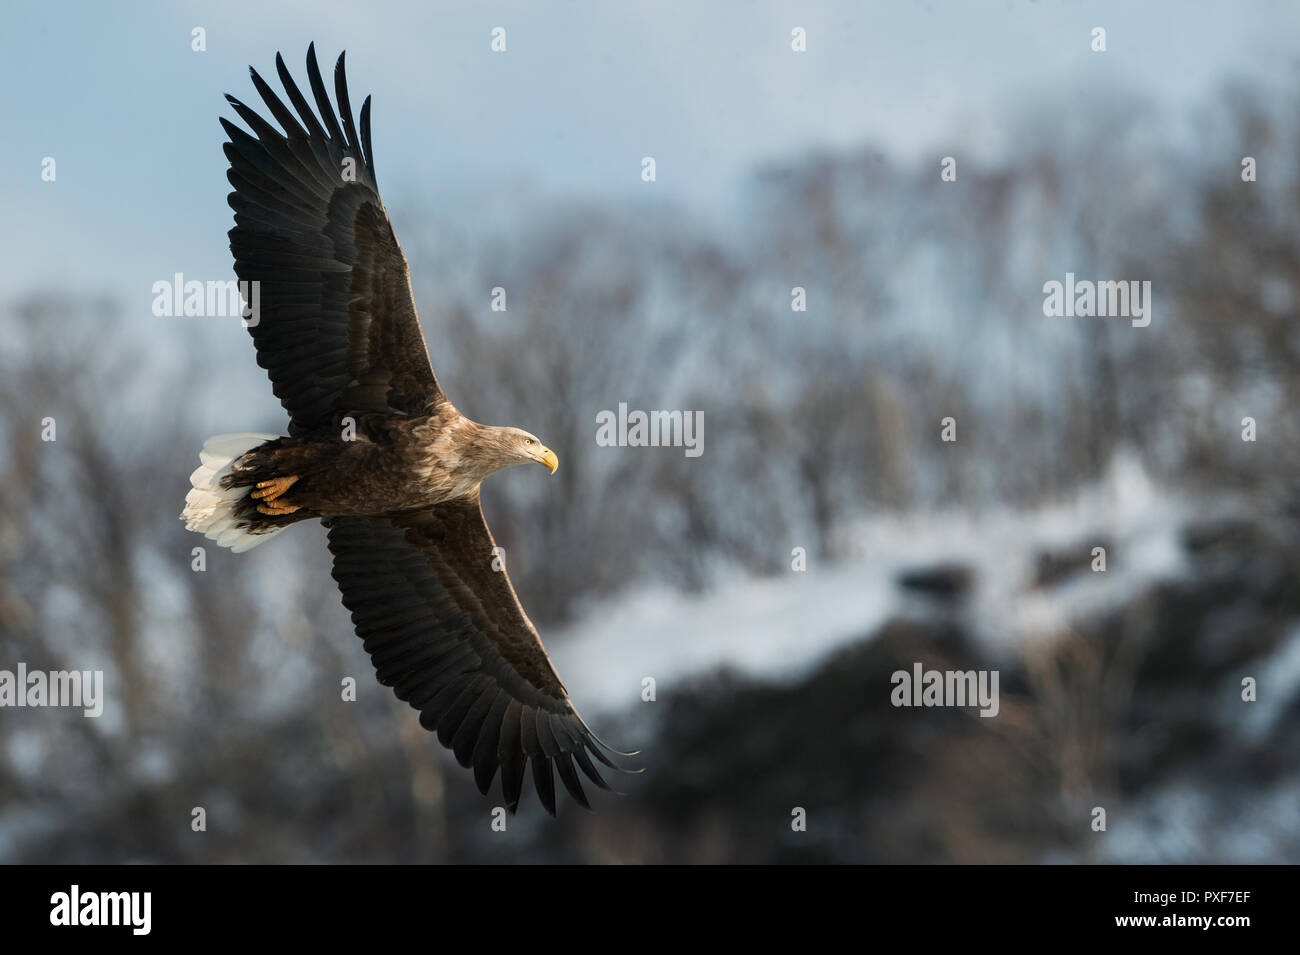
(378, 453)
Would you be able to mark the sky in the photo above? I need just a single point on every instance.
(115, 94)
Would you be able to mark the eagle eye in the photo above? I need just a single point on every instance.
(528, 440)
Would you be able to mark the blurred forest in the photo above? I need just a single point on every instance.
(924, 301)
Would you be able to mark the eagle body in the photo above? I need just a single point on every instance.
(378, 452)
(376, 464)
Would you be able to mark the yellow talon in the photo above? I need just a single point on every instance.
(270, 490)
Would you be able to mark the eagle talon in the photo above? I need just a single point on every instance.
(268, 491)
(276, 509)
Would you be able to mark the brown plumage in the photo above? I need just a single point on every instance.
(378, 452)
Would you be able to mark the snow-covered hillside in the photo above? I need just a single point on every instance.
(779, 627)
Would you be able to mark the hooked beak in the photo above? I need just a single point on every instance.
(548, 458)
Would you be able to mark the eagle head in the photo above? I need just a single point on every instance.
(506, 447)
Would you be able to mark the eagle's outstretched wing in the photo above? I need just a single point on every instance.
(445, 630)
(337, 329)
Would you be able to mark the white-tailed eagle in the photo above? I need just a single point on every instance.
(377, 451)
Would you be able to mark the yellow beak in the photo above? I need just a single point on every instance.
(549, 459)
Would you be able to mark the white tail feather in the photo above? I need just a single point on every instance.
(210, 508)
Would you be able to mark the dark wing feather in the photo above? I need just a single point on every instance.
(448, 634)
(337, 329)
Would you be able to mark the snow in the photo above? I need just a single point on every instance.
(780, 627)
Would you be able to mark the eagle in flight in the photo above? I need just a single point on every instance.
(378, 452)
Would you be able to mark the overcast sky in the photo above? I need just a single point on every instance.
(115, 94)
